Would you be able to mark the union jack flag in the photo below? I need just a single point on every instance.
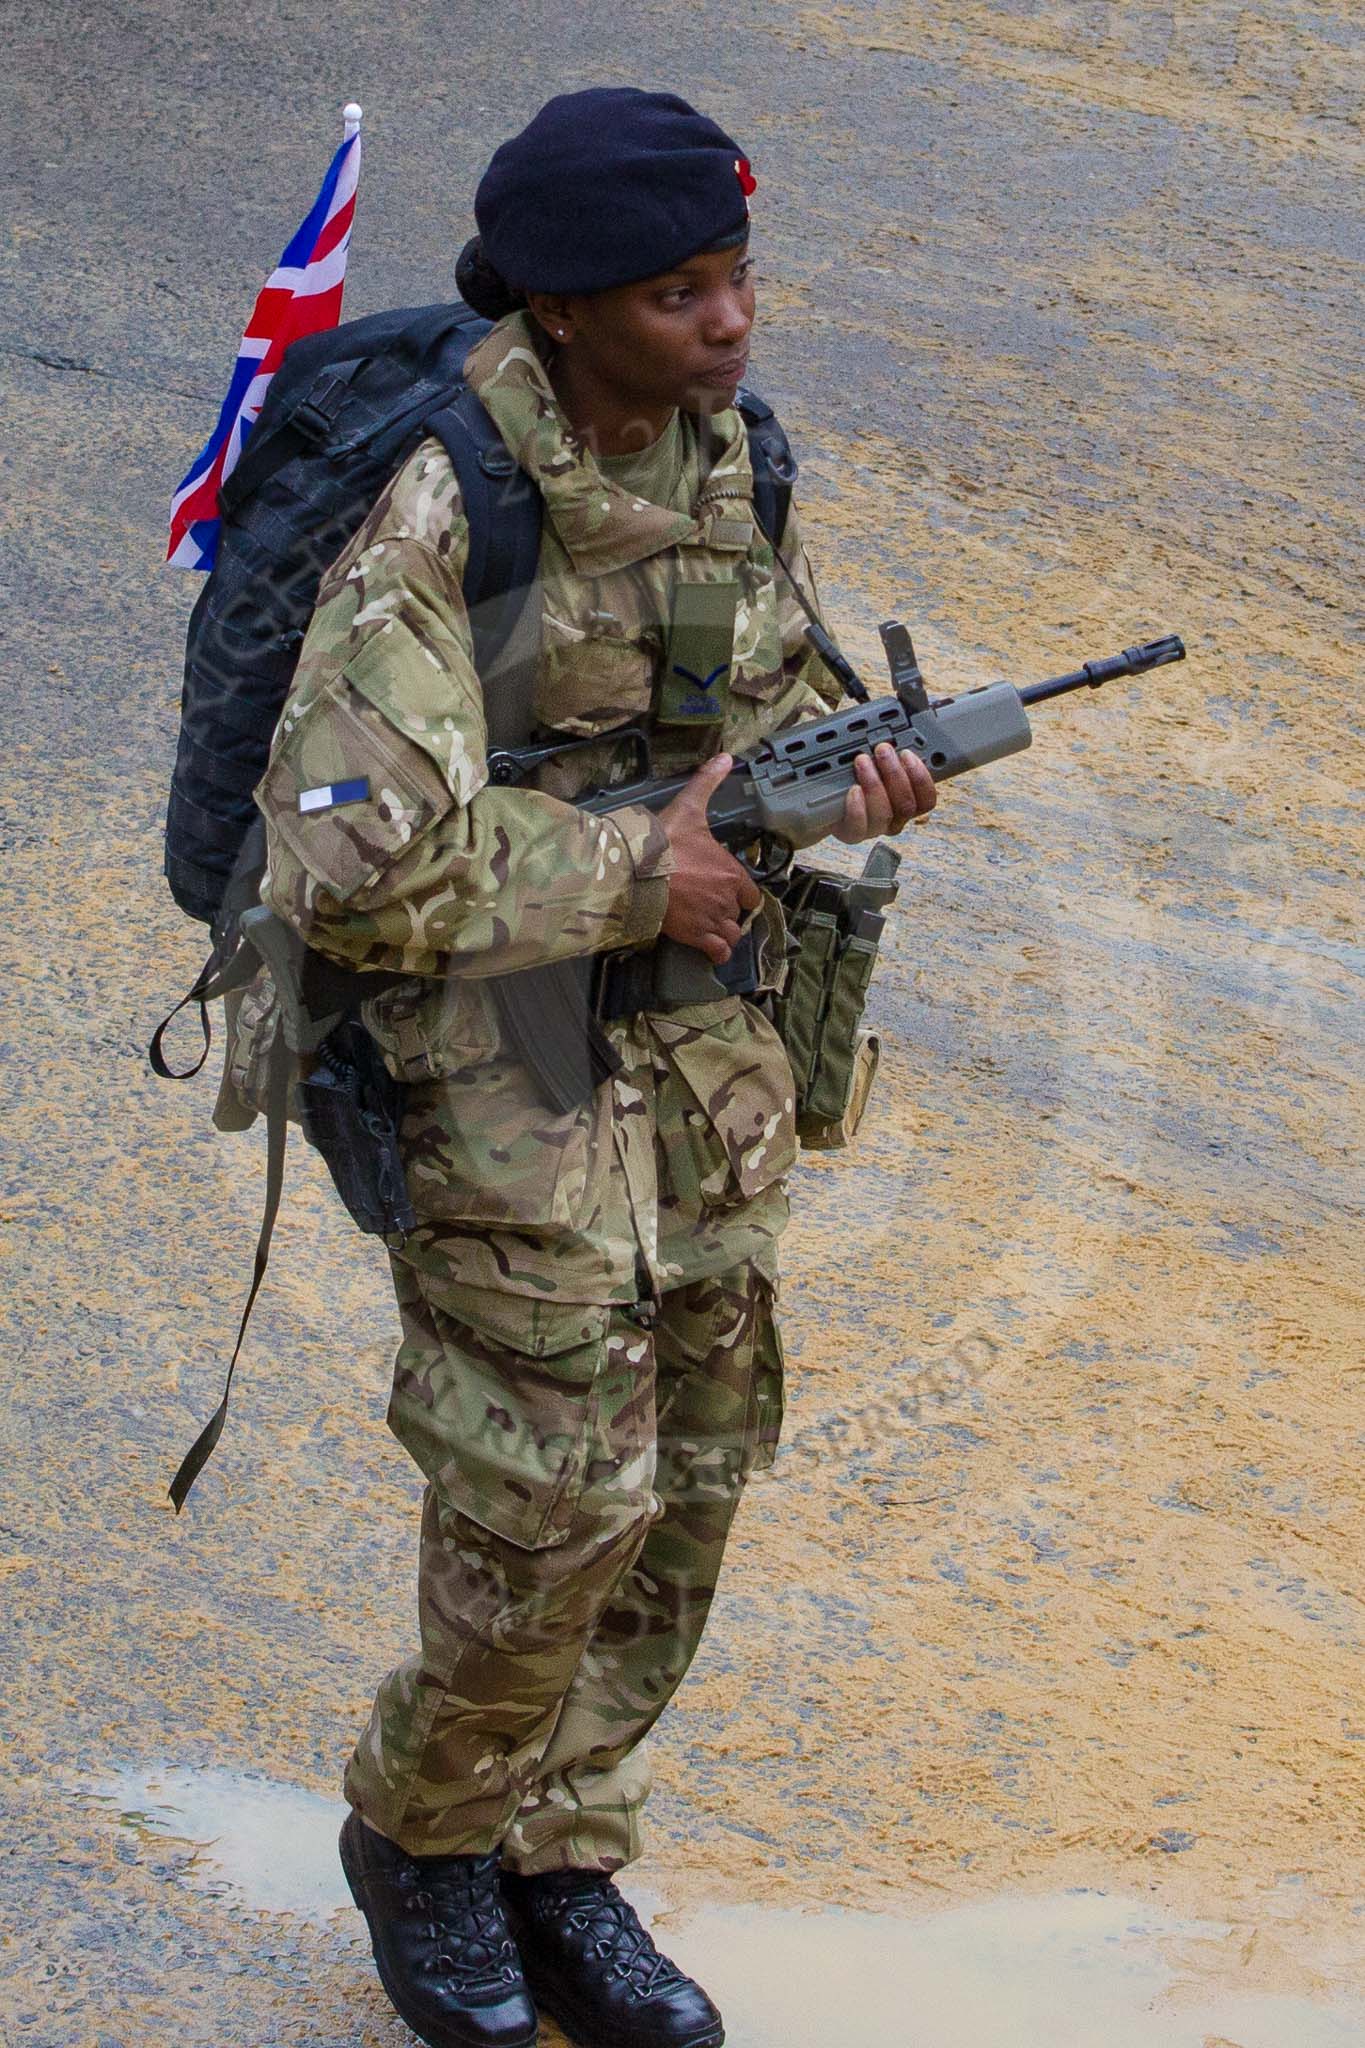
(301, 296)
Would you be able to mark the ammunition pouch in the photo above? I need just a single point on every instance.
(835, 924)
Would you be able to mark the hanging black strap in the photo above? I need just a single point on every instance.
(547, 1018)
(277, 1133)
(218, 976)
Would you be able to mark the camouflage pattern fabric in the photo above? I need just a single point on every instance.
(438, 873)
(550, 1638)
(432, 871)
(674, 1170)
(582, 1477)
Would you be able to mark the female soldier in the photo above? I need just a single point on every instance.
(589, 1368)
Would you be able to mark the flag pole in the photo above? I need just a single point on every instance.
(351, 114)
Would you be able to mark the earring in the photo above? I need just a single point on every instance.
(560, 332)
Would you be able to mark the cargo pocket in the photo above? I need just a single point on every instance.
(591, 682)
(480, 1147)
(727, 1125)
(498, 1405)
(720, 1386)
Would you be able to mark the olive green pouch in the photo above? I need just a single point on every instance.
(836, 924)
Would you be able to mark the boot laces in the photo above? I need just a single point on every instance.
(612, 1925)
(460, 1899)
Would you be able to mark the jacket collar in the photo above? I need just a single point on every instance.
(602, 527)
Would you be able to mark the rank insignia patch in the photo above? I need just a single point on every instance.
(701, 645)
(332, 794)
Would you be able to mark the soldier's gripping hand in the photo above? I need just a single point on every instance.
(892, 789)
(709, 893)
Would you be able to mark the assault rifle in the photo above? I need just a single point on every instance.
(788, 794)
(791, 790)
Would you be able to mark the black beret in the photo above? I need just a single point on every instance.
(606, 186)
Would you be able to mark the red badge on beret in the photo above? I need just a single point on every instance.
(747, 181)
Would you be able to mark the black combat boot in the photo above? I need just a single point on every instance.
(592, 1967)
(441, 1942)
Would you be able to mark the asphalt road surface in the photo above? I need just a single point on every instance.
(1054, 1591)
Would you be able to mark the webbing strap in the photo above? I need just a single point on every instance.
(217, 977)
(277, 1134)
(504, 510)
(771, 460)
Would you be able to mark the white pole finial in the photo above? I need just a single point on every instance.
(351, 115)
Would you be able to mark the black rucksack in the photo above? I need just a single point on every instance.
(345, 409)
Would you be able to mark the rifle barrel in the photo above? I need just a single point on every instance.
(1134, 661)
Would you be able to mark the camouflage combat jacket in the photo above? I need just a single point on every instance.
(676, 1167)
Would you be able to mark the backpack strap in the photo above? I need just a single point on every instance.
(306, 425)
(502, 577)
(772, 461)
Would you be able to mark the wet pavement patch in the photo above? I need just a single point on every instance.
(252, 1841)
(1081, 1969)
(1071, 1970)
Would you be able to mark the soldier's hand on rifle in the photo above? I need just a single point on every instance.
(709, 893)
(892, 789)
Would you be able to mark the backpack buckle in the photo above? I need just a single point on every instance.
(498, 461)
(318, 413)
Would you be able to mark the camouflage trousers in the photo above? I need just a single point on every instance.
(583, 1472)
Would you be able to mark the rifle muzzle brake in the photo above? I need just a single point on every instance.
(1134, 661)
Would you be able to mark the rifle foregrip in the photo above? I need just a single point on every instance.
(795, 784)
(802, 778)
